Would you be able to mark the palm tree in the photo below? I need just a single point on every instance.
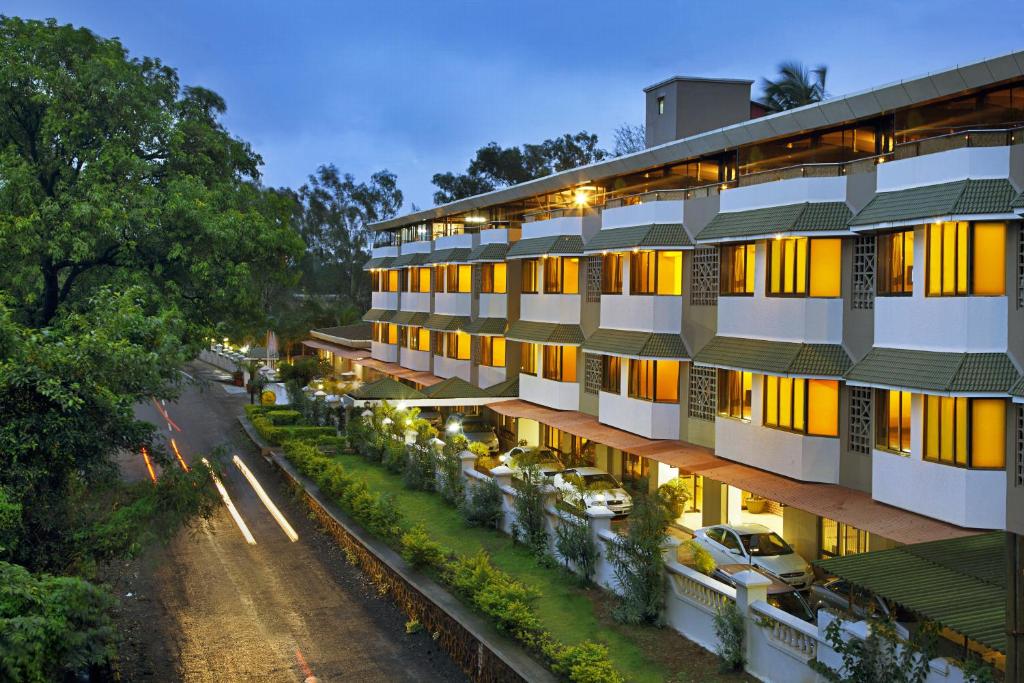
(796, 86)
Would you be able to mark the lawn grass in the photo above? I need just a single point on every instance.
(572, 614)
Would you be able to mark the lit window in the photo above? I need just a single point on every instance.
(417, 279)
(798, 265)
(417, 338)
(661, 105)
(529, 280)
(493, 278)
(611, 374)
(528, 358)
(896, 263)
(892, 420)
(734, 389)
(969, 432)
(492, 352)
(656, 272)
(560, 363)
(838, 539)
(392, 332)
(808, 406)
(737, 269)
(439, 278)
(966, 259)
(375, 280)
(456, 345)
(561, 275)
(458, 278)
(392, 281)
(611, 274)
(654, 380)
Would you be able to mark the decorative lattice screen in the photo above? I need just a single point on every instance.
(474, 349)
(863, 273)
(703, 396)
(704, 277)
(1020, 269)
(860, 420)
(1020, 445)
(593, 278)
(591, 373)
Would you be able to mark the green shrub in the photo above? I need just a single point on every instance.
(302, 432)
(450, 469)
(420, 472)
(482, 506)
(478, 449)
(575, 544)
(584, 663)
(266, 430)
(529, 527)
(496, 594)
(283, 417)
(702, 559)
(638, 564)
(394, 456)
(729, 629)
(332, 444)
(419, 550)
(675, 496)
(252, 411)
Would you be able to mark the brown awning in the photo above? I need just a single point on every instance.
(398, 372)
(337, 350)
(839, 503)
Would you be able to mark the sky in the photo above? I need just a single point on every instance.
(416, 87)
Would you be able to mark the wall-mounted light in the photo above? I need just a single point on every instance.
(581, 196)
(475, 219)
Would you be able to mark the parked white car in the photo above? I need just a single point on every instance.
(758, 545)
(588, 486)
(544, 459)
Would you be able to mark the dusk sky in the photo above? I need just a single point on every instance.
(416, 87)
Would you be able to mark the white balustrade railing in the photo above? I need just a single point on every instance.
(785, 631)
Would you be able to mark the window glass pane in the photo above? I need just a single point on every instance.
(775, 267)
(934, 247)
(667, 381)
(611, 374)
(823, 407)
(670, 272)
(948, 420)
(500, 277)
(749, 260)
(641, 272)
(571, 275)
(529, 276)
(961, 431)
(826, 267)
(799, 403)
(961, 258)
(497, 351)
(611, 274)
(948, 258)
(424, 339)
(988, 433)
(392, 333)
(785, 402)
(465, 277)
(989, 259)
(746, 380)
(568, 363)
(800, 278)
(905, 421)
(771, 413)
(931, 427)
(788, 266)
(528, 358)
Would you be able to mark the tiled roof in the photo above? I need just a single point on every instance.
(637, 344)
(928, 202)
(507, 389)
(406, 260)
(1018, 202)
(488, 252)
(925, 577)
(545, 333)
(379, 315)
(385, 389)
(361, 331)
(491, 326)
(1018, 388)
(446, 323)
(935, 371)
(775, 357)
(457, 255)
(455, 387)
(379, 262)
(410, 318)
(651, 236)
(552, 245)
(790, 218)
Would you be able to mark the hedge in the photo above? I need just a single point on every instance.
(284, 417)
(278, 435)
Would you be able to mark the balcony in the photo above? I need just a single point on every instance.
(493, 306)
(646, 313)
(783, 192)
(944, 166)
(642, 214)
(458, 303)
(941, 323)
(450, 367)
(646, 418)
(549, 393)
(802, 457)
(489, 376)
(550, 308)
(418, 302)
(385, 300)
(384, 250)
(559, 222)
(384, 352)
(811, 320)
(464, 240)
(414, 360)
(975, 499)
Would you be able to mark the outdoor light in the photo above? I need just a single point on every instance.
(403, 405)
(475, 219)
(387, 421)
(454, 427)
(408, 422)
(582, 195)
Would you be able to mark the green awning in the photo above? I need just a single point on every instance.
(553, 245)
(791, 359)
(379, 315)
(410, 318)
(943, 372)
(1018, 391)
(385, 389)
(545, 333)
(488, 253)
(379, 262)
(489, 326)
(959, 583)
(406, 260)
(1018, 202)
(507, 389)
(634, 344)
(454, 387)
(651, 236)
(958, 200)
(790, 219)
(446, 323)
(458, 255)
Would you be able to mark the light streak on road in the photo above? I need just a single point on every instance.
(274, 512)
(307, 672)
(231, 506)
(163, 412)
(149, 464)
(181, 460)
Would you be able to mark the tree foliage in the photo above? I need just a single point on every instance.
(630, 139)
(795, 86)
(494, 166)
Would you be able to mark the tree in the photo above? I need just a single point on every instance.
(795, 86)
(494, 166)
(630, 139)
(639, 564)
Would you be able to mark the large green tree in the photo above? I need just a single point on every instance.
(795, 86)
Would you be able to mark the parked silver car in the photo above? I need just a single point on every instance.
(588, 486)
(544, 459)
(837, 594)
(780, 594)
(758, 545)
(475, 428)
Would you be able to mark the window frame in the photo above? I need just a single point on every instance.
(487, 351)
(618, 258)
(883, 245)
(529, 276)
(557, 355)
(634, 380)
(655, 255)
(969, 286)
(450, 337)
(528, 358)
(805, 416)
(881, 417)
(725, 274)
(554, 277)
(727, 400)
(488, 279)
(807, 267)
(611, 374)
(968, 462)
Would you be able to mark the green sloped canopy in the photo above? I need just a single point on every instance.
(1018, 389)
(456, 255)
(507, 389)
(545, 333)
(637, 344)
(488, 252)
(379, 315)
(1018, 202)
(809, 217)
(413, 319)
(489, 326)
(651, 236)
(379, 262)
(775, 357)
(454, 387)
(353, 332)
(385, 389)
(931, 202)
(553, 245)
(406, 260)
(959, 583)
(935, 371)
(445, 323)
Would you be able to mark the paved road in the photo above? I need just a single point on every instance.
(224, 610)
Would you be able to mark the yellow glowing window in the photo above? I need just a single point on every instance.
(892, 420)
(529, 276)
(798, 265)
(561, 275)
(392, 333)
(654, 380)
(988, 259)
(823, 407)
(670, 272)
(465, 276)
(392, 281)
(611, 274)
(988, 433)
(969, 432)
(528, 358)
(896, 263)
(809, 406)
(440, 277)
(418, 279)
(560, 363)
(826, 267)
(456, 345)
(966, 259)
(656, 272)
(492, 351)
(493, 278)
(611, 374)
(734, 391)
(737, 269)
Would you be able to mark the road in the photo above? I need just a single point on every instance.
(212, 607)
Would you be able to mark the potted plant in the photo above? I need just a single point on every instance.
(675, 496)
(756, 504)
